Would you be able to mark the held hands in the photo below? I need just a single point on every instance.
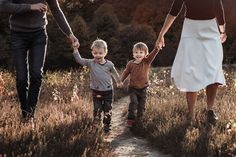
(119, 84)
(38, 7)
(75, 47)
(160, 43)
(74, 41)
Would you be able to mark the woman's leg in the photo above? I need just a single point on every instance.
(191, 100)
(211, 94)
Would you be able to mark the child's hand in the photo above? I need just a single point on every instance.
(76, 44)
(75, 47)
(120, 84)
(74, 41)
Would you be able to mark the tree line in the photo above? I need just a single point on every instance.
(119, 22)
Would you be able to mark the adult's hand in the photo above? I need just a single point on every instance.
(223, 37)
(74, 41)
(160, 43)
(39, 7)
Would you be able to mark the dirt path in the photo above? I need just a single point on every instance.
(124, 143)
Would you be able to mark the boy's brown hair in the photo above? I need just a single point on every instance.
(141, 46)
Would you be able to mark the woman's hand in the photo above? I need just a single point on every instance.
(223, 37)
(39, 7)
(160, 43)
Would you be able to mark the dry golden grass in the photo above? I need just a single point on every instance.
(64, 119)
(63, 124)
(165, 125)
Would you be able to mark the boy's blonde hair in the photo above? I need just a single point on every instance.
(99, 43)
(141, 46)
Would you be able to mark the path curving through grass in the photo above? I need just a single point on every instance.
(123, 142)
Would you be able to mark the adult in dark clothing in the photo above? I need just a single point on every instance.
(28, 42)
(198, 62)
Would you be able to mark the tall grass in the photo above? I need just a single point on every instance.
(164, 122)
(63, 124)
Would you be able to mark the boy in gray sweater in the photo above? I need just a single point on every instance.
(101, 73)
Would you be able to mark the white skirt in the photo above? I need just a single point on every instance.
(198, 62)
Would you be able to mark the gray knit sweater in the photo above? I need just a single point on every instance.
(100, 74)
(23, 19)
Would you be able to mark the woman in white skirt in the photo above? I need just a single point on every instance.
(198, 62)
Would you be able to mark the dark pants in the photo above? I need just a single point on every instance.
(138, 99)
(28, 50)
(102, 101)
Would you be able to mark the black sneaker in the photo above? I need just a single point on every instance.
(211, 117)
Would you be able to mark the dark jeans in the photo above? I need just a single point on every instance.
(28, 50)
(102, 101)
(138, 99)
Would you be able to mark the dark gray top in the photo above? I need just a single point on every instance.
(24, 20)
(100, 74)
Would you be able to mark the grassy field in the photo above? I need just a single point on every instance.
(165, 124)
(64, 119)
(63, 124)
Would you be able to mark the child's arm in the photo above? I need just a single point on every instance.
(149, 59)
(116, 77)
(126, 72)
(115, 74)
(79, 59)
